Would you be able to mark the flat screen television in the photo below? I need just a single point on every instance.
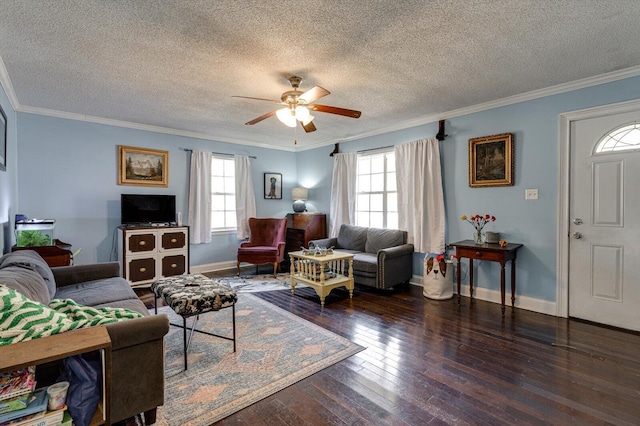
(143, 209)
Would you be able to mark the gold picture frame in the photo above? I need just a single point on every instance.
(3, 140)
(491, 161)
(143, 166)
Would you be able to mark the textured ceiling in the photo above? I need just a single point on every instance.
(176, 64)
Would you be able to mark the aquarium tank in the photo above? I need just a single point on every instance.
(35, 233)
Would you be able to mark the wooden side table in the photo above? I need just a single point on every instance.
(57, 255)
(493, 253)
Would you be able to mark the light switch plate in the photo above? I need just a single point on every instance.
(530, 194)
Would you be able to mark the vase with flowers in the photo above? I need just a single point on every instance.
(478, 221)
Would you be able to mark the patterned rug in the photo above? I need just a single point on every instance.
(255, 283)
(275, 349)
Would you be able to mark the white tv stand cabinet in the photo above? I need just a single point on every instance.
(148, 253)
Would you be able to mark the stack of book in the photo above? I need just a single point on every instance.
(16, 389)
(23, 405)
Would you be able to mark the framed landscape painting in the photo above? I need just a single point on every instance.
(3, 140)
(273, 186)
(143, 166)
(491, 161)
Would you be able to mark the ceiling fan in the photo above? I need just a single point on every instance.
(298, 106)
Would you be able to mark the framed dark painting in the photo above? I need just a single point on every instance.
(273, 186)
(3, 140)
(491, 161)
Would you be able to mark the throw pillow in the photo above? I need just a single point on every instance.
(378, 239)
(31, 260)
(27, 282)
(352, 237)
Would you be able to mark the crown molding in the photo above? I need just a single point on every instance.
(523, 97)
(138, 126)
(5, 81)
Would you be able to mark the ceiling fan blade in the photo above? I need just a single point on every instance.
(262, 117)
(316, 92)
(335, 110)
(258, 99)
(309, 127)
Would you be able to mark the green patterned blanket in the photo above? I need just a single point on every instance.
(22, 319)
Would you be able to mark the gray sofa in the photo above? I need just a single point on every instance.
(383, 259)
(137, 359)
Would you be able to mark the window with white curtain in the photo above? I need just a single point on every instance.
(377, 198)
(223, 194)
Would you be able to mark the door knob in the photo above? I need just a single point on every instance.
(576, 235)
(577, 221)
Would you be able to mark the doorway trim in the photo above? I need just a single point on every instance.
(564, 163)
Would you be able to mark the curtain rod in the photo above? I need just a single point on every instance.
(217, 153)
(375, 149)
(440, 136)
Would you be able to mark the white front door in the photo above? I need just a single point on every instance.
(604, 210)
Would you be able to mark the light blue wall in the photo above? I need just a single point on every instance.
(68, 172)
(8, 178)
(532, 223)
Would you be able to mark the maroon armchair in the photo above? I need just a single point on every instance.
(266, 243)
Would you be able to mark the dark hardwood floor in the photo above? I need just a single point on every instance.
(434, 362)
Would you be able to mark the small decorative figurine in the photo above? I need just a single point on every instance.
(503, 243)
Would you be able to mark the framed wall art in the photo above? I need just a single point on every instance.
(273, 186)
(491, 161)
(143, 166)
(3, 140)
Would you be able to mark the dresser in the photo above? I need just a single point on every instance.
(302, 228)
(150, 253)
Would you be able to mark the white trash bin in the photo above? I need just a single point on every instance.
(437, 279)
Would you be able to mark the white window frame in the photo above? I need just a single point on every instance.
(388, 188)
(621, 139)
(229, 164)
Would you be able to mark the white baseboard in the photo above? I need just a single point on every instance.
(220, 266)
(522, 302)
(214, 267)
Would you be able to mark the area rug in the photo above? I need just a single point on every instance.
(256, 283)
(275, 349)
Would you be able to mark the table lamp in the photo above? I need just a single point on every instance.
(299, 195)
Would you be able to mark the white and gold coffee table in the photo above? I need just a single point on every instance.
(322, 273)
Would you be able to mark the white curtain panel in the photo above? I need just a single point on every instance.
(420, 196)
(200, 197)
(343, 191)
(245, 196)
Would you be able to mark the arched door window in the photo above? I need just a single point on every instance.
(623, 138)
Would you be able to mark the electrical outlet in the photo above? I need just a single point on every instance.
(530, 194)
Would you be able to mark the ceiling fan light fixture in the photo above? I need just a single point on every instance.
(298, 107)
(308, 120)
(302, 113)
(285, 115)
